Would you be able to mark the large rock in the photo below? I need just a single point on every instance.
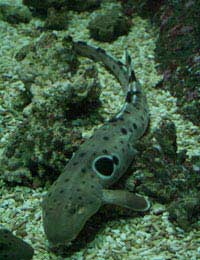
(107, 27)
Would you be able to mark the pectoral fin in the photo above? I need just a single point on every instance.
(126, 199)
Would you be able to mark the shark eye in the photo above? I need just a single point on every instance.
(105, 166)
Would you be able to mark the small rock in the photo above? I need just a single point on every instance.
(109, 26)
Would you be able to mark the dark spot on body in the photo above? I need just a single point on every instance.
(115, 147)
(83, 182)
(105, 151)
(131, 130)
(127, 112)
(121, 142)
(120, 63)
(132, 76)
(82, 154)
(61, 191)
(123, 150)
(129, 97)
(121, 118)
(106, 138)
(79, 197)
(75, 163)
(113, 119)
(92, 186)
(113, 67)
(83, 170)
(72, 211)
(124, 131)
(128, 59)
(115, 160)
(134, 126)
(66, 179)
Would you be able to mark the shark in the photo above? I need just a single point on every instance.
(12, 247)
(84, 185)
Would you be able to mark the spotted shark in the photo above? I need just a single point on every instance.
(83, 186)
(12, 247)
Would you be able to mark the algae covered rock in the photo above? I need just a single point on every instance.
(77, 5)
(109, 26)
(80, 5)
(56, 20)
(12, 247)
(15, 14)
(185, 210)
(45, 137)
(168, 176)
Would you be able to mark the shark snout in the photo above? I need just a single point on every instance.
(63, 223)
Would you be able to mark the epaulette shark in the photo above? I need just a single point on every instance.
(83, 186)
(13, 248)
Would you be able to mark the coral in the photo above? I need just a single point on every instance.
(109, 26)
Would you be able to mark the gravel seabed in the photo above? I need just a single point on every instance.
(151, 237)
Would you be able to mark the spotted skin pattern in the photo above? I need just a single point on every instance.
(13, 248)
(83, 186)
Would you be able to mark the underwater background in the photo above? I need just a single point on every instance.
(52, 100)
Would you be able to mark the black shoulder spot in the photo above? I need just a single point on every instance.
(124, 131)
(115, 160)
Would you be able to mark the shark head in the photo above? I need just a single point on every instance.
(67, 208)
